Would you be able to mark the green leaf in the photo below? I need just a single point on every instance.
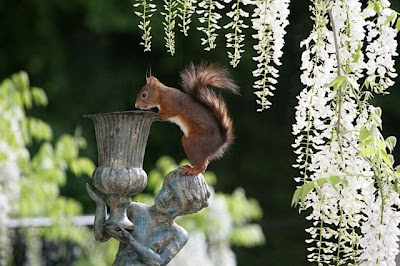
(367, 83)
(345, 182)
(348, 69)
(334, 180)
(357, 55)
(248, 235)
(82, 165)
(27, 98)
(381, 145)
(301, 193)
(386, 157)
(39, 97)
(39, 130)
(366, 142)
(338, 82)
(378, 112)
(296, 197)
(364, 134)
(307, 188)
(21, 81)
(319, 191)
(391, 143)
(396, 185)
(391, 19)
(398, 25)
(377, 6)
(367, 152)
(321, 181)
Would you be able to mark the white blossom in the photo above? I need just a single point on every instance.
(209, 16)
(186, 9)
(170, 14)
(210, 247)
(269, 20)
(342, 156)
(381, 47)
(235, 38)
(145, 11)
(195, 250)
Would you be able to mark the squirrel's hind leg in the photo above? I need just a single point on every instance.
(188, 170)
(196, 152)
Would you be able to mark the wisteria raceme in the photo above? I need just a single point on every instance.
(269, 20)
(381, 47)
(145, 11)
(346, 172)
(186, 10)
(234, 40)
(170, 14)
(209, 16)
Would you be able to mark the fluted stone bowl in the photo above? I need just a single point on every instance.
(121, 142)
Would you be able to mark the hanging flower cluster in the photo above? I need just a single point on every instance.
(170, 15)
(235, 38)
(269, 20)
(347, 179)
(145, 11)
(209, 16)
(186, 10)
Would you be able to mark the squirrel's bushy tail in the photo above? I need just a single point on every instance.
(195, 81)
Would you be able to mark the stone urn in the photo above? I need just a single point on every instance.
(121, 142)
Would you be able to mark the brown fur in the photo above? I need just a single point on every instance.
(201, 113)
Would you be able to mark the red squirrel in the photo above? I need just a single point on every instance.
(201, 113)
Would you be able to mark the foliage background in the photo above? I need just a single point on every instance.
(86, 56)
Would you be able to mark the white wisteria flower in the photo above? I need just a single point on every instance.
(208, 11)
(381, 47)
(269, 20)
(145, 11)
(170, 14)
(235, 38)
(186, 9)
(346, 170)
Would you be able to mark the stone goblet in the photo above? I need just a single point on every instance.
(121, 142)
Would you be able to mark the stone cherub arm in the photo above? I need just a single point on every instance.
(101, 214)
(165, 255)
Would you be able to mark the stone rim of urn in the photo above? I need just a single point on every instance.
(121, 142)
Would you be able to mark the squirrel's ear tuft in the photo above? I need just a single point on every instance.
(148, 72)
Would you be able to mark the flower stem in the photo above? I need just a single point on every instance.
(339, 238)
(320, 240)
(210, 43)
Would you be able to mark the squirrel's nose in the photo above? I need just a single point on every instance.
(136, 105)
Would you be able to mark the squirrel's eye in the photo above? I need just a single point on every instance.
(144, 94)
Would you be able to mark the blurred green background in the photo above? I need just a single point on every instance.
(86, 56)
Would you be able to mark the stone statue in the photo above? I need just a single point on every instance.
(148, 235)
(155, 238)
